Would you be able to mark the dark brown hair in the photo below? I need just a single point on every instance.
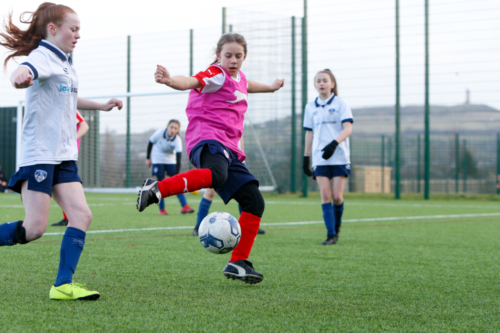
(175, 121)
(22, 42)
(229, 38)
(332, 77)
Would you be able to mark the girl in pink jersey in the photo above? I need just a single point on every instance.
(216, 109)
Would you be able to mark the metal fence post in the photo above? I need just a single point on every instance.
(427, 150)
(293, 166)
(419, 155)
(305, 180)
(191, 61)
(351, 177)
(498, 163)
(383, 162)
(190, 52)
(397, 194)
(127, 171)
(457, 160)
(464, 166)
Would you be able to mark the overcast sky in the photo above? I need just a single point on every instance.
(353, 38)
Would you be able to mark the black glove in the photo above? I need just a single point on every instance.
(329, 149)
(305, 166)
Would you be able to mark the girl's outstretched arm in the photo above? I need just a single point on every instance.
(256, 87)
(176, 82)
(86, 104)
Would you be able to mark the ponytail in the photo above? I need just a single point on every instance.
(22, 42)
(175, 121)
(229, 38)
(332, 77)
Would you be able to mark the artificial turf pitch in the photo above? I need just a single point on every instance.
(399, 266)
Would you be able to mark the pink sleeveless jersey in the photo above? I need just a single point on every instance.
(218, 115)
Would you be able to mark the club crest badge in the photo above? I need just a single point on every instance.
(40, 175)
(331, 111)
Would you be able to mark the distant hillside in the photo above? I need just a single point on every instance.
(464, 119)
(275, 140)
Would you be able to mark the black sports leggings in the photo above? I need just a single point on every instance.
(248, 195)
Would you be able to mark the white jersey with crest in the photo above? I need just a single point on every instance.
(48, 132)
(325, 119)
(165, 147)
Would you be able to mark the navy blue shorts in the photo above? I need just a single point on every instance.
(238, 174)
(41, 177)
(159, 170)
(331, 171)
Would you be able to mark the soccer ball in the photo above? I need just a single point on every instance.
(219, 232)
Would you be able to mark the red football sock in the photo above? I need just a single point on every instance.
(65, 217)
(249, 224)
(189, 181)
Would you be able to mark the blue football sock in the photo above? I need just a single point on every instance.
(71, 248)
(338, 210)
(328, 217)
(7, 233)
(239, 208)
(161, 204)
(182, 199)
(203, 210)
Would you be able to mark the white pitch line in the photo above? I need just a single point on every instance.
(393, 218)
(297, 223)
(348, 203)
(55, 206)
(126, 202)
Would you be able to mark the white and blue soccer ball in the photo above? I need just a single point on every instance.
(219, 232)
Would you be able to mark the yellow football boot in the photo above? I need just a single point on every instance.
(73, 291)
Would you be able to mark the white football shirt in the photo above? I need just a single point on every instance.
(48, 132)
(325, 119)
(164, 147)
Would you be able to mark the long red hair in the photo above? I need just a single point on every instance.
(22, 42)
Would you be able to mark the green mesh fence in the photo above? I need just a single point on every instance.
(356, 40)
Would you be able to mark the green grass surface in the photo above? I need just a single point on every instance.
(391, 271)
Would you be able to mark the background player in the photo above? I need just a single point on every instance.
(328, 124)
(48, 151)
(164, 153)
(217, 104)
(81, 128)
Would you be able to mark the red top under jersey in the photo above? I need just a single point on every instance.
(79, 120)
